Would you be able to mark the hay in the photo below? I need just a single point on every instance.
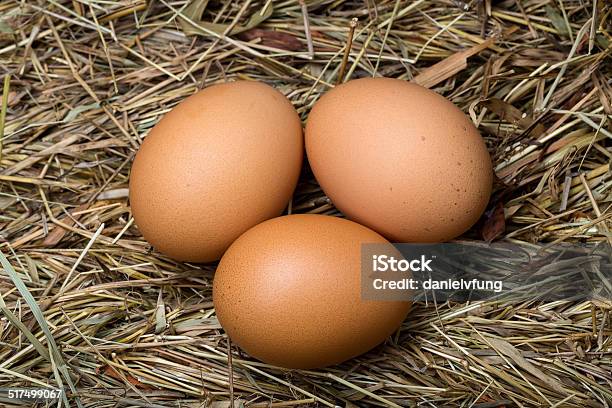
(89, 306)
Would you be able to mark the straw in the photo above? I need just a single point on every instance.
(87, 304)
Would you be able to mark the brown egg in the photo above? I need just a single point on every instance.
(288, 292)
(223, 160)
(400, 159)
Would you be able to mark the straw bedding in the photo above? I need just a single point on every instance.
(89, 306)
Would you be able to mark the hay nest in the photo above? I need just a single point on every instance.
(89, 306)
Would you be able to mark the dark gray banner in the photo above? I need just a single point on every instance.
(470, 271)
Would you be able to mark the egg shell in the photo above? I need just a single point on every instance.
(288, 292)
(400, 159)
(223, 160)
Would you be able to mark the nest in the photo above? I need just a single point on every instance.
(87, 304)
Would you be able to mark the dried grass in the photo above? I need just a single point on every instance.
(89, 306)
